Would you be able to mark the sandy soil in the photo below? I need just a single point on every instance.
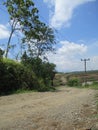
(66, 109)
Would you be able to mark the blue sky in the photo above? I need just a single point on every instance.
(76, 25)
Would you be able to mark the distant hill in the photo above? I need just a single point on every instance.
(62, 78)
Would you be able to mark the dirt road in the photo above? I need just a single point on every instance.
(66, 109)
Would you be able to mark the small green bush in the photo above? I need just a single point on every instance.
(95, 83)
(73, 82)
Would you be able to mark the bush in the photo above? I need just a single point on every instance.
(1, 53)
(42, 69)
(43, 87)
(73, 82)
(95, 83)
(15, 76)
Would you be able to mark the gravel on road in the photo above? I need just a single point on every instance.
(65, 109)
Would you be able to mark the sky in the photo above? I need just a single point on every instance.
(75, 24)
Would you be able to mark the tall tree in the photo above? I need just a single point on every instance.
(42, 69)
(24, 17)
(21, 12)
(40, 40)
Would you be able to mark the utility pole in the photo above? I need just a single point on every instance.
(85, 60)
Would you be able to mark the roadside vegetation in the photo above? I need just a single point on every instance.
(75, 82)
(29, 68)
(77, 79)
(94, 85)
(25, 75)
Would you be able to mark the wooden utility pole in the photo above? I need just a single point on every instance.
(85, 60)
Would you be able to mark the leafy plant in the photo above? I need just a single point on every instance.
(73, 82)
(43, 70)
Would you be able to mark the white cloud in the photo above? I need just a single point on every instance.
(94, 62)
(61, 11)
(67, 57)
(71, 48)
(4, 33)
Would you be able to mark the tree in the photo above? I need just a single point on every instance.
(21, 12)
(48, 72)
(44, 70)
(40, 42)
(1, 53)
(38, 37)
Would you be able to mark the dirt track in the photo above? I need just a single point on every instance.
(66, 109)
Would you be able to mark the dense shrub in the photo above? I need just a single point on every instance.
(42, 69)
(73, 82)
(14, 76)
(95, 83)
(18, 76)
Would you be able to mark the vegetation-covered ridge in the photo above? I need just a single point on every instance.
(28, 74)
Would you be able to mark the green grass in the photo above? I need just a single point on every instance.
(20, 91)
(94, 85)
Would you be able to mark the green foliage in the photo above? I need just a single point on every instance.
(43, 70)
(14, 76)
(24, 91)
(1, 53)
(22, 11)
(42, 87)
(24, 17)
(41, 39)
(31, 74)
(94, 85)
(73, 82)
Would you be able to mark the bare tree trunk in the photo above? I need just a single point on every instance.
(9, 40)
(7, 49)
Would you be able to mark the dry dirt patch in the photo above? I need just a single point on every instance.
(67, 109)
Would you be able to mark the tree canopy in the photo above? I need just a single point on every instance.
(37, 36)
